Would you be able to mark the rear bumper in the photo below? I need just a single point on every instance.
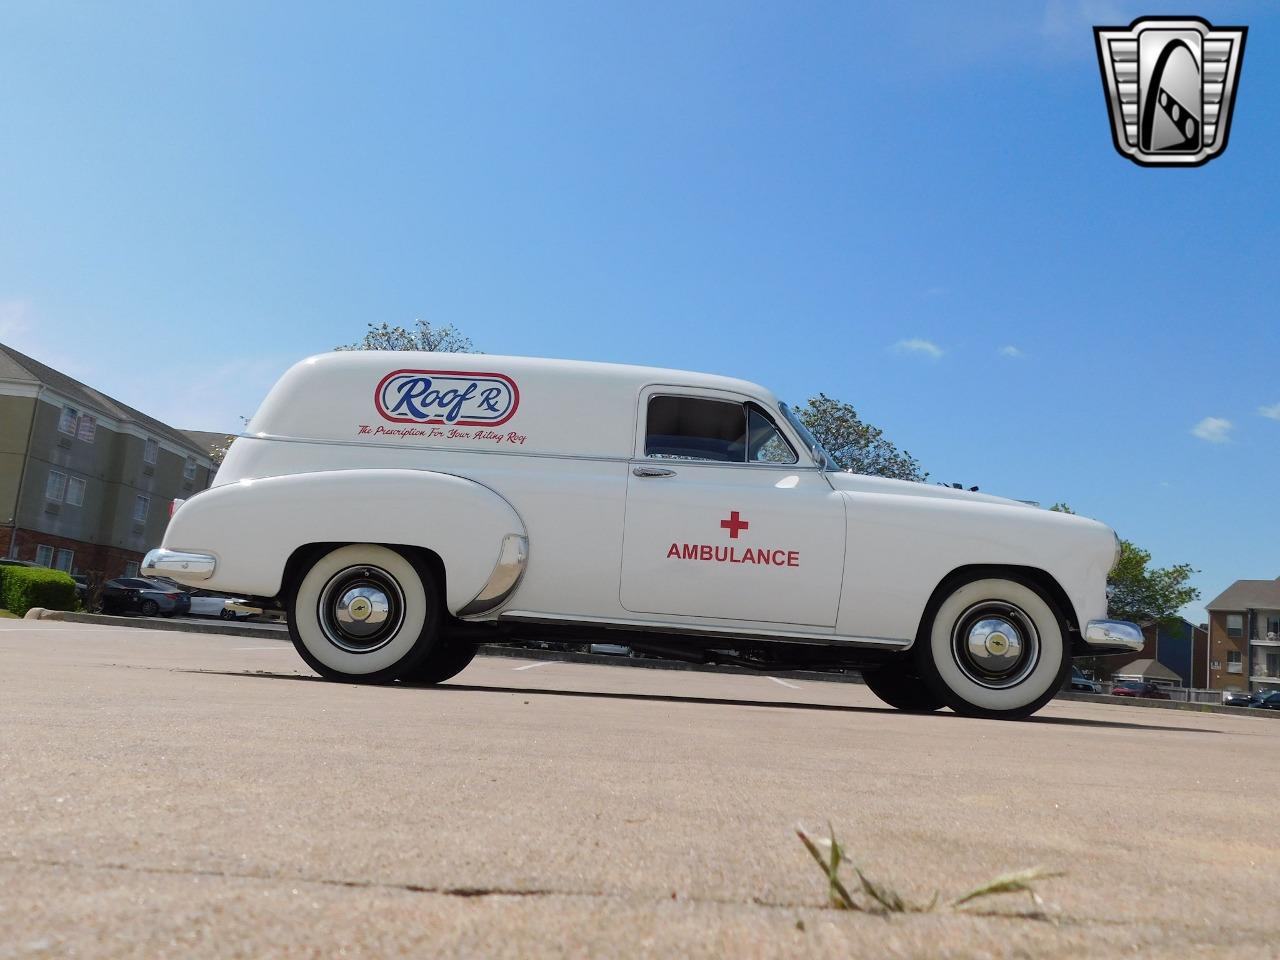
(1113, 636)
(183, 567)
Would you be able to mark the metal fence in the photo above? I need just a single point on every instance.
(1182, 694)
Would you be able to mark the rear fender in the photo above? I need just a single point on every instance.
(253, 526)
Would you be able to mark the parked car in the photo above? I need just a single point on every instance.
(1081, 684)
(1237, 698)
(205, 603)
(1270, 700)
(1139, 688)
(610, 649)
(140, 595)
(386, 497)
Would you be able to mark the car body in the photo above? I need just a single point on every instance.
(1237, 698)
(1139, 688)
(1079, 683)
(1266, 700)
(144, 596)
(205, 603)
(459, 496)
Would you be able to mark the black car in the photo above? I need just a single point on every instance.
(1237, 698)
(1267, 701)
(147, 597)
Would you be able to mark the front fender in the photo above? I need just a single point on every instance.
(251, 527)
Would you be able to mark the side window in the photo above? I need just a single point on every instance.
(765, 442)
(695, 428)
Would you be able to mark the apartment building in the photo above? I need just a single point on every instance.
(1180, 647)
(1244, 636)
(86, 482)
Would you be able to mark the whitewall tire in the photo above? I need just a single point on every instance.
(365, 612)
(995, 647)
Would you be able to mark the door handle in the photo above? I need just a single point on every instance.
(653, 472)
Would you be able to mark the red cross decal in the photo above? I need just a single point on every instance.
(734, 524)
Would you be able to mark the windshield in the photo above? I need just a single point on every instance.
(820, 455)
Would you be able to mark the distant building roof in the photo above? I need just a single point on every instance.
(15, 366)
(1248, 595)
(208, 440)
(1147, 670)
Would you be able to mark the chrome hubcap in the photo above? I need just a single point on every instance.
(996, 645)
(361, 608)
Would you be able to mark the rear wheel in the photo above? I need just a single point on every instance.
(365, 613)
(899, 687)
(148, 608)
(226, 614)
(994, 647)
(448, 659)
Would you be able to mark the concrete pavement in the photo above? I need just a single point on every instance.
(176, 794)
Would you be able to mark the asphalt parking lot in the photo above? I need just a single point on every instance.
(176, 794)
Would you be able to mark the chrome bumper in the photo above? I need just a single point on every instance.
(180, 566)
(1113, 636)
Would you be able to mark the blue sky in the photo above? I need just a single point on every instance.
(194, 196)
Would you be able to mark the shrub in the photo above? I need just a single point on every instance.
(22, 588)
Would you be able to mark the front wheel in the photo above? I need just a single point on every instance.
(365, 613)
(994, 647)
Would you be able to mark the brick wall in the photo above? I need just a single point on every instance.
(110, 561)
(1219, 646)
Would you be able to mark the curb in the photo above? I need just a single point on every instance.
(1169, 705)
(604, 660)
(151, 623)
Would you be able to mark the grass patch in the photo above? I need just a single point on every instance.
(880, 898)
(6, 615)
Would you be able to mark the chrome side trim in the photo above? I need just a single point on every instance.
(513, 556)
(1116, 636)
(178, 565)
(728, 633)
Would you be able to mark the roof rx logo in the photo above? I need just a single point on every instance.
(1170, 84)
(455, 397)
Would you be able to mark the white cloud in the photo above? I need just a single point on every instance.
(1213, 429)
(13, 319)
(916, 345)
(1071, 18)
(1272, 411)
(1010, 351)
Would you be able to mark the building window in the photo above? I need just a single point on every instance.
(1234, 662)
(56, 488)
(69, 420)
(1273, 626)
(189, 470)
(140, 507)
(62, 560)
(75, 492)
(151, 450)
(131, 568)
(88, 428)
(1235, 624)
(44, 555)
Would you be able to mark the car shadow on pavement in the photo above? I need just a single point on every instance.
(709, 701)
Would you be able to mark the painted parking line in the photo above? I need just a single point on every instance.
(530, 666)
(791, 686)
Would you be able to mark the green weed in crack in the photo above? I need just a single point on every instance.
(883, 899)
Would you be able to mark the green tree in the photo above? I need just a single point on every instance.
(1140, 592)
(422, 336)
(856, 445)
